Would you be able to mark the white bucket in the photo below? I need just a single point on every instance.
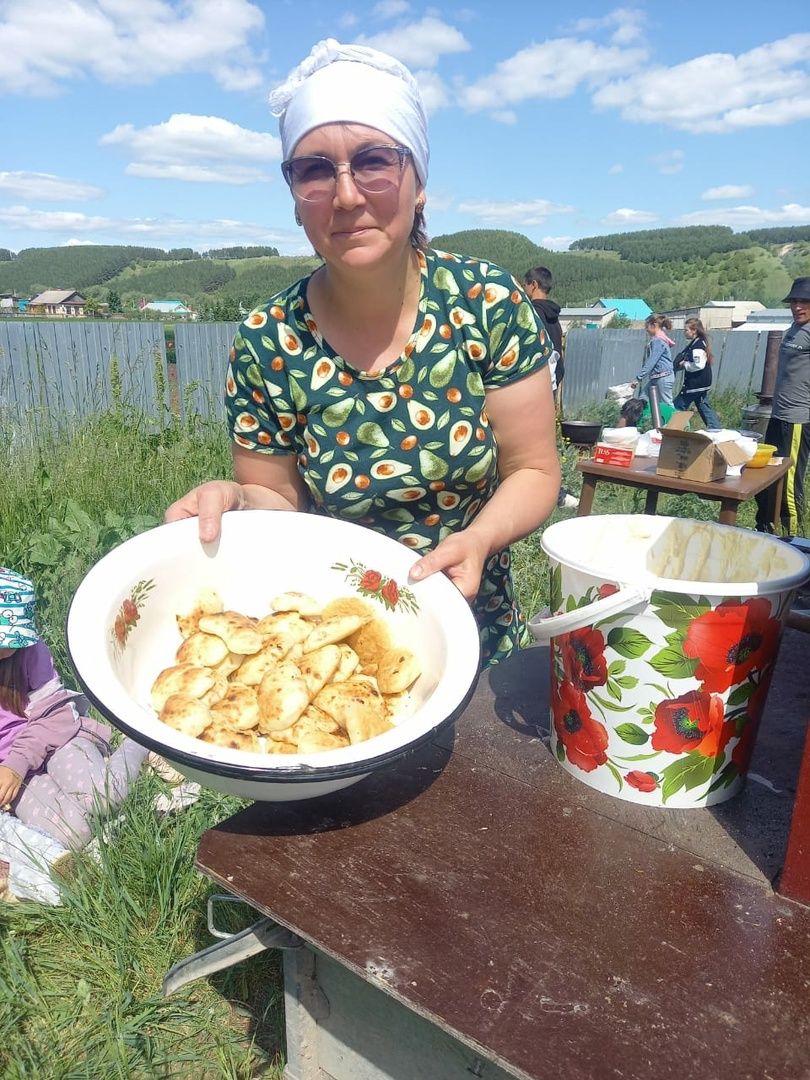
(664, 634)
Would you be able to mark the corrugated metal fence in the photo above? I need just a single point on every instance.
(77, 367)
(597, 359)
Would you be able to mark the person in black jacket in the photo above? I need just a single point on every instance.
(696, 362)
(538, 283)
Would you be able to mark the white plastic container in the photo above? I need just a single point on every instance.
(664, 634)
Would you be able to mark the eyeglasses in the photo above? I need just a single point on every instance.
(375, 170)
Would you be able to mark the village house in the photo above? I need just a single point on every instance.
(589, 318)
(174, 308)
(62, 303)
(715, 314)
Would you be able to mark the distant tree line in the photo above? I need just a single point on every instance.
(669, 245)
(241, 253)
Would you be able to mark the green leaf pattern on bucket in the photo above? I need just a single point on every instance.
(672, 712)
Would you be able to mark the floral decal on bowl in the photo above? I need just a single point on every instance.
(373, 584)
(129, 613)
(670, 713)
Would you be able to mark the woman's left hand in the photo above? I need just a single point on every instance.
(461, 556)
(10, 784)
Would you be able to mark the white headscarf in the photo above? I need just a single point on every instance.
(352, 84)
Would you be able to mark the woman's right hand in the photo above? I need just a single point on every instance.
(10, 784)
(208, 502)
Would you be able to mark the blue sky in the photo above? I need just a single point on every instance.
(146, 121)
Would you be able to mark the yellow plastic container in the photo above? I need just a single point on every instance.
(764, 453)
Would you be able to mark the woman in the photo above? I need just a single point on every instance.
(389, 352)
(696, 360)
(657, 369)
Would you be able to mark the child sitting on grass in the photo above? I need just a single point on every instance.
(56, 766)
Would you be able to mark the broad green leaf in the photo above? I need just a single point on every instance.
(627, 682)
(628, 642)
(673, 664)
(632, 733)
(741, 694)
(676, 610)
(617, 667)
(727, 775)
(76, 519)
(688, 772)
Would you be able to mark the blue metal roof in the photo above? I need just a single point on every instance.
(632, 308)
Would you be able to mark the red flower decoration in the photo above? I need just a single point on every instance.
(693, 721)
(120, 630)
(390, 592)
(607, 590)
(583, 657)
(585, 739)
(731, 641)
(129, 612)
(371, 580)
(642, 781)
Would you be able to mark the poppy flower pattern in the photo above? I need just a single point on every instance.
(129, 614)
(731, 641)
(585, 740)
(407, 451)
(662, 707)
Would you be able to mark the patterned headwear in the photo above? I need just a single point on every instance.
(17, 605)
(352, 84)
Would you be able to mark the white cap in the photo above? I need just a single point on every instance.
(352, 84)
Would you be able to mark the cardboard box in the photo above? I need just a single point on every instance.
(612, 455)
(689, 455)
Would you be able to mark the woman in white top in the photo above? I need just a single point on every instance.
(696, 361)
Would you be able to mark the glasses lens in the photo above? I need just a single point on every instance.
(311, 178)
(377, 169)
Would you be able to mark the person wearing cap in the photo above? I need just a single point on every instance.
(399, 387)
(789, 425)
(57, 767)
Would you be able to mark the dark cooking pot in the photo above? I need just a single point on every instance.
(581, 432)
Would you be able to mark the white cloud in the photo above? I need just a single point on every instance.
(44, 187)
(626, 216)
(718, 92)
(614, 170)
(125, 41)
(728, 191)
(670, 161)
(199, 174)
(433, 89)
(530, 212)
(626, 24)
(159, 232)
(75, 242)
(552, 69)
(390, 9)
(557, 243)
(419, 44)
(749, 217)
(199, 149)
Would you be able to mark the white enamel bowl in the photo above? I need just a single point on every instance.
(122, 631)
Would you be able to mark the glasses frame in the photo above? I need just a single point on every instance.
(403, 152)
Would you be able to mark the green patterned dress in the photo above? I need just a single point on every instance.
(409, 451)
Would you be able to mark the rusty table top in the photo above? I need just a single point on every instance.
(558, 931)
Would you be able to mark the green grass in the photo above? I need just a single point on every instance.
(80, 983)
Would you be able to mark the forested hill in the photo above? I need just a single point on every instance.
(669, 268)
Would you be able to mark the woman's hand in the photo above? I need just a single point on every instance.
(10, 784)
(208, 502)
(461, 556)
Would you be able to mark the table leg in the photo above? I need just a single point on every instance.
(651, 501)
(728, 512)
(586, 496)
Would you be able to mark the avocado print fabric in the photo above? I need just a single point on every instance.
(407, 451)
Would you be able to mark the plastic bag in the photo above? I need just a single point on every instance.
(621, 393)
(30, 854)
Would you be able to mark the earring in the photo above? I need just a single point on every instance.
(420, 206)
(298, 220)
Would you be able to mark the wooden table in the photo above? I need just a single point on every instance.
(473, 910)
(729, 492)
